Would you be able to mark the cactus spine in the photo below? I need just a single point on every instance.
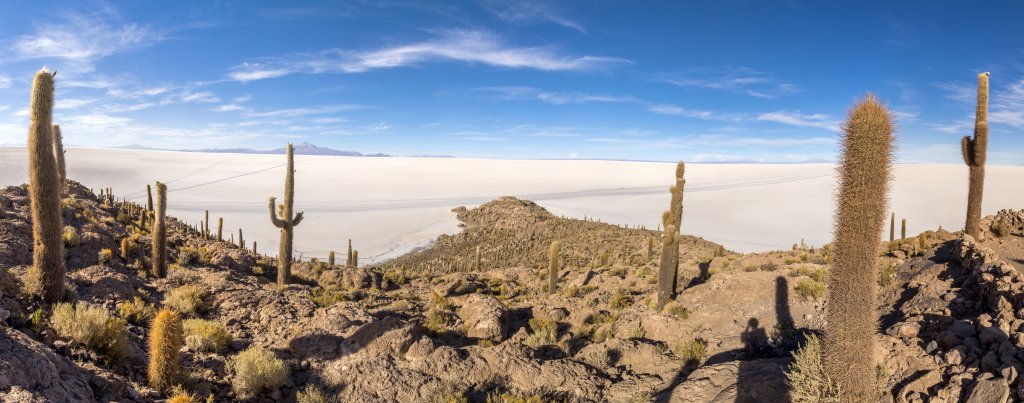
(973, 151)
(166, 338)
(58, 155)
(46, 276)
(160, 232)
(553, 267)
(286, 221)
(220, 229)
(848, 351)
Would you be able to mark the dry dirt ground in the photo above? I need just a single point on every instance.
(441, 324)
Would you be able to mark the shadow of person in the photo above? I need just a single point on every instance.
(783, 318)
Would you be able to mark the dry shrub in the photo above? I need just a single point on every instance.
(206, 335)
(91, 326)
(187, 299)
(256, 369)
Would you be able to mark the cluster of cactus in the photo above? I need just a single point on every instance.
(46, 276)
(286, 221)
(974, 152)
(851, 317)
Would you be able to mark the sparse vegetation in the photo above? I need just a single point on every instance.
(545, 332)
(70, 237)
(311, 394)
(256, 369)
(810, 289)
(90, 326)
(136, 311)
(205, 335)
(105, 255)
(806, 376)
(691, 351)
(187, 299)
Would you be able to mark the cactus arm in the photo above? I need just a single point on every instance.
(273, 215)
(297, 219)
(967, 150)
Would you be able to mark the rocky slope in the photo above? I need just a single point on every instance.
(436, 326)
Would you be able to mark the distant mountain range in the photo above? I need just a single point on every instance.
(305, 148)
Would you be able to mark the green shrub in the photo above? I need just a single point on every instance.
(256, 369)
(106, 255)
(205, 335)
(187, 299)
(545, 332)
(311, 394)
(816, 274)
(136, 311)
(71, 238)
(807, 380)
(675, 309)
(810, 289)
(90, 326)
(620, 299)
(691, 351)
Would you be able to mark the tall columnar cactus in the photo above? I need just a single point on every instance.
(348, 262)
(355, 259)
(553, 267)
(903, 230)
(676, 210)
(973, 151)
(476, 261)
(667, 265)
(254, 248)
(206, 224)
(160, 232)
(58, 154)
(650, 247)
(330, 259)
(241, 241)
(46, 276)
(149, 198)
(848, 351)
(284, 220)
(220, 228)
(166, 336)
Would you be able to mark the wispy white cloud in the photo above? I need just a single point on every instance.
(553, 97)
(958, 91)
(80, 40)
(734, 79)
(528, 12)
(292, 112)
(71, 103)
(5, 82)
(669, 109)
(189, 96)
(227, 108)
(798, 119)
(473, 46)
(904, 116)
(1008, 105)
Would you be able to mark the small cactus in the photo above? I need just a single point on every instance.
(903, 230)
(206, 221)
(220, 229)
(892, 227)
(974, 151)
(348, 262)
(160, 232)
(149, 198)
(330, 259)
(284, 220)
(166, 338)
(46, 276)
(355, 259)
(553, 267)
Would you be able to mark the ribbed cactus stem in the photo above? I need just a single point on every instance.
(355, 259)
(903, 230)
(241, 241)
(348, 261)
(58, 154)
(46, 276)
(166, 339)
(284, 220)
(160, 232)
(220, 228)
(848, 348)
(974, 151)
(206, 227)
(553, 267)
(330, 259)
(666, 267)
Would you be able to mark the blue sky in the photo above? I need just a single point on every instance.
(650, 80)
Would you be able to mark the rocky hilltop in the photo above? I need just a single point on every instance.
(471, 318)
